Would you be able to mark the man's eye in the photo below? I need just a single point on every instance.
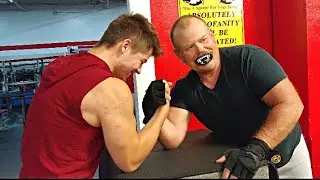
(189, 47)
(203, 40)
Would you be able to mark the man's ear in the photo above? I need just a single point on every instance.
(126, 44)
(177, 53)
(213, 36)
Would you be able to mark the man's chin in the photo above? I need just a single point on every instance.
(206, 68)
(125, 78)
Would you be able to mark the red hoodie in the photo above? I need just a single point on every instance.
(57, 142)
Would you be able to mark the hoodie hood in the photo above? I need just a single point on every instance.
(65, 66)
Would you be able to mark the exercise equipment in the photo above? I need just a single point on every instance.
(20, 76)
(24, 97)
(3, 125)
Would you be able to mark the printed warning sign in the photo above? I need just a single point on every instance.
(224, 17)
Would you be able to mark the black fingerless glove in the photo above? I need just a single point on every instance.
(154, 97)
(244, 162)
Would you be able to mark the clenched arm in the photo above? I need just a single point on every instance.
(286, 109)
(114, 108)
(174, 128)
(268, 80)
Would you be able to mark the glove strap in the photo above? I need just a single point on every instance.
(258, 147)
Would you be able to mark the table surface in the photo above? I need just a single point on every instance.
(195, 156)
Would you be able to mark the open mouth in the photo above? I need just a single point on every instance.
(204, 59)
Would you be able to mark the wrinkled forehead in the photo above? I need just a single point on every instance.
(189, 31)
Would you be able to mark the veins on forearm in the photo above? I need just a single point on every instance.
(280, 121)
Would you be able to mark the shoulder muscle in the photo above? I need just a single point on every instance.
(108, 96)
(112, 94)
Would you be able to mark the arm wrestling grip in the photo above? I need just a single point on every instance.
(154, 97)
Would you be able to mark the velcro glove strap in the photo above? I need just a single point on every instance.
(244, 162)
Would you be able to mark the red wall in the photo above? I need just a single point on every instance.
(296, 46)
(257, 25)
(313, 45)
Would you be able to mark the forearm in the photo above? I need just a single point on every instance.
(147, 138)
(280, 121)
(169, 135)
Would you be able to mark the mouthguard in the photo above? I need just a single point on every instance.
(204, 59)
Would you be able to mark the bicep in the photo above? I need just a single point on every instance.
(180, 110)
(262, 72)
(283, 92)
(268, 80)
(174, 128)
(115, 112)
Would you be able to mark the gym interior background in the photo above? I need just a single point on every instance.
(34, 32)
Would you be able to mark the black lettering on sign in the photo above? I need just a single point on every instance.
(223, 32)
(227, 41)
(215, 14)
(223, 23)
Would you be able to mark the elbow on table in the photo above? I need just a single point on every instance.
(126, 159)
(172, 144)
(129, 166)
(170, 147)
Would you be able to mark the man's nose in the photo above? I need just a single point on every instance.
(200, 48)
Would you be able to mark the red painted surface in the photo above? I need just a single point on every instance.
(258, 23)
(296, 46)
(258, 31)
(313, 45)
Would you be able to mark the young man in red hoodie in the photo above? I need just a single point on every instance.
(83, 105)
